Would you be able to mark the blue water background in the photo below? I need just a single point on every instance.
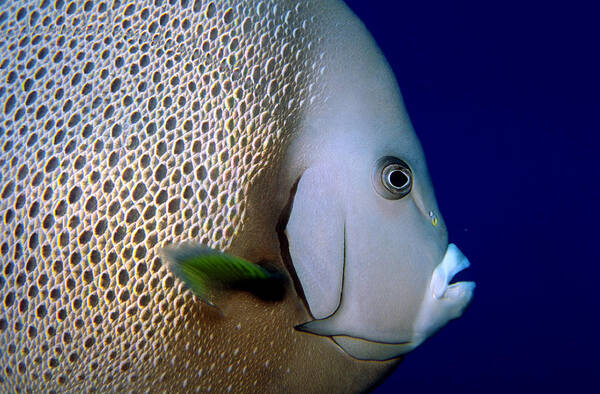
(505, 99)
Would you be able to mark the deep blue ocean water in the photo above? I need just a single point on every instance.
(505, 97)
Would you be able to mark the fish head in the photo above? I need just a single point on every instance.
(367, 244)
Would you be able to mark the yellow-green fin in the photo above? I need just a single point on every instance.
(207, 272)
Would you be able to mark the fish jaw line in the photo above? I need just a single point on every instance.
(367, 350)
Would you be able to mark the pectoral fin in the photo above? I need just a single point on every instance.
(210, 273)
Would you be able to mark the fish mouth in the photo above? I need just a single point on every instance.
(452, 263)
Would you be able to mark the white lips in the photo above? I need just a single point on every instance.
(452, 263)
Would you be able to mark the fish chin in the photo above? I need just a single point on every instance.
(442, 302)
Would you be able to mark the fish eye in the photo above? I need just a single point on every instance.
(392, 178)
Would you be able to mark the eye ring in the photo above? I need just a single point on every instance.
(392, 178)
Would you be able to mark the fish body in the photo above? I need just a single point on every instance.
(129, 127)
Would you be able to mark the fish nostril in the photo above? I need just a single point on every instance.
(434, 218)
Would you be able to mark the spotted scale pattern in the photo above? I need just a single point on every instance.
(126, 126)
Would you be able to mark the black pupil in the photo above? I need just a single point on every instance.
(398, 179)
